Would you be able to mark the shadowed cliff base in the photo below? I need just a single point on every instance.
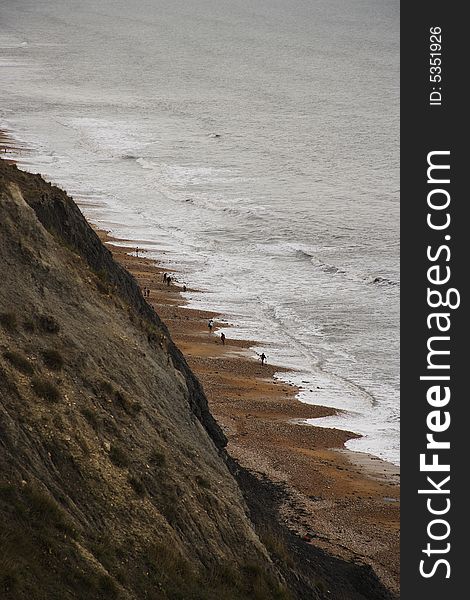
(114, 478)
(346, 503)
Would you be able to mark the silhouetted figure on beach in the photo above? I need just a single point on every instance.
(184, 288)
(262, 358)
(165, 275)
(137, 252)
(210, 325)
(168, 280)
(222, 338)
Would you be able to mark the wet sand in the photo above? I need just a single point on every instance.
(344, 502)
(9, 146)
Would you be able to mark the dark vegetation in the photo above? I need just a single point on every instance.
(90, 416)
(119, 456)
(47, 324)
(137, 485)
(45, 389)
(38, 532)
(8, 321)
(19, 361)
(53, 360)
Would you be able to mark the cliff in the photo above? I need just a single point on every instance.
(112, 479)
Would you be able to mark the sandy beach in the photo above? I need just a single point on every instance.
(8, 145)
(344, 502)
(5, 144)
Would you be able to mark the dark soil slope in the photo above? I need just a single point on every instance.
(112, 484)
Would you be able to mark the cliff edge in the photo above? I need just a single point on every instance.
(113, 481)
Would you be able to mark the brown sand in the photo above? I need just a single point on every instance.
(9, 145)
(347, 502)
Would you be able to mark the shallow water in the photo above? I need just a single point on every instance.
(254, 146)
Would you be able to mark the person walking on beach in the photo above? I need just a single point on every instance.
(137, 251)
(222, 338)
(263, 358)
(210, 325)
(165, 275)
(168, 280)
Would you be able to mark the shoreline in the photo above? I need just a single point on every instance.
(7, 140)
(344, 502)
(8, 145)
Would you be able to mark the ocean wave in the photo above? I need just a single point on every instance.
(378, 280)
(310, 256)
(183, 184)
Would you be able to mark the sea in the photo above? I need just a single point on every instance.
(251, 146)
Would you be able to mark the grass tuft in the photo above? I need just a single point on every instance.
(157, 458)
(107, 391)
(20, 362)
(29, 326)
(203, 482)
(48, 324)
(45, 389)
(53, 360)
(131, 407)
(8, 321)
(108, 586)
(119, 457)
(137, 485)
(276, 545)
(90, 416)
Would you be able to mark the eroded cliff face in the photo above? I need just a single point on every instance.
(61, 217)
(113, 479)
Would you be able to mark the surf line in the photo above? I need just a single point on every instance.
(441, 300)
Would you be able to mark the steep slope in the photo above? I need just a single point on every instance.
(113, 481)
